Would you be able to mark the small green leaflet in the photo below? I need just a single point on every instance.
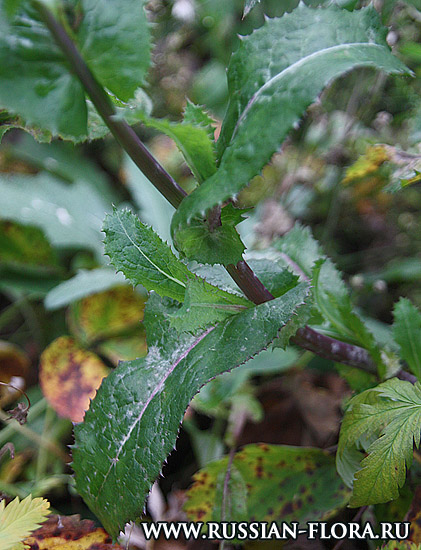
(192, 137)
(407, 333)
(132, 424)
(385, 422)
(142, 256)
(274, 75)
(35, 82)
(220, 245)
(283, 483)
(145, 259)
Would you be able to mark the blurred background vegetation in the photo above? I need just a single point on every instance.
(55, 281)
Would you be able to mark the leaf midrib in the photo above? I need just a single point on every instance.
(155, 392)
(292, 68)
(164, 273)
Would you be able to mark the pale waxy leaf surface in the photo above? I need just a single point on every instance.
(385, 422)
(19, 518)
(407, 333)
(132, 424)
(274, 75)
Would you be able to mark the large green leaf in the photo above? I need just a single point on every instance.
(274, 75)
(308, 487)
(132, 423)
(114, 40)
(35, 80)
(384, 421)
(407, 333)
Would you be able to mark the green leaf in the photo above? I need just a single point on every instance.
(192, 137)
(333, 301)
(407, 333)
(145, 259)
(25, 246)
(274, 75)
(142, 256)
(300, 250)
(19, 519)
(273, 274)
(133, 421)
(220, 245)
(113, 38)
(205, 305)
(283, 483)
(35, 81)
(83, 284)
(197, 116)
(69, 215)
(384, 421)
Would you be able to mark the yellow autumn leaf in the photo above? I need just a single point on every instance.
(19, 518)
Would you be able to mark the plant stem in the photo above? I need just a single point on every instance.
(242, 274)
(122, 131)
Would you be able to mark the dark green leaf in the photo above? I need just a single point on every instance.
(114, 40)
(142, 256)
(133, 421)
(248, 6)
(35, 81)
(407, 333)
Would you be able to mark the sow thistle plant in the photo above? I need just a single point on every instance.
(73, 70)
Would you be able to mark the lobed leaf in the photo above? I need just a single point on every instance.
(19, 518)
(407, 333)
(384, 421)
(274, 75)
(132, 424)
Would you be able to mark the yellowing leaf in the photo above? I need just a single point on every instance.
(106, 313)
(70, 533)
(19, 518)
(367, 165)
(69, 377)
